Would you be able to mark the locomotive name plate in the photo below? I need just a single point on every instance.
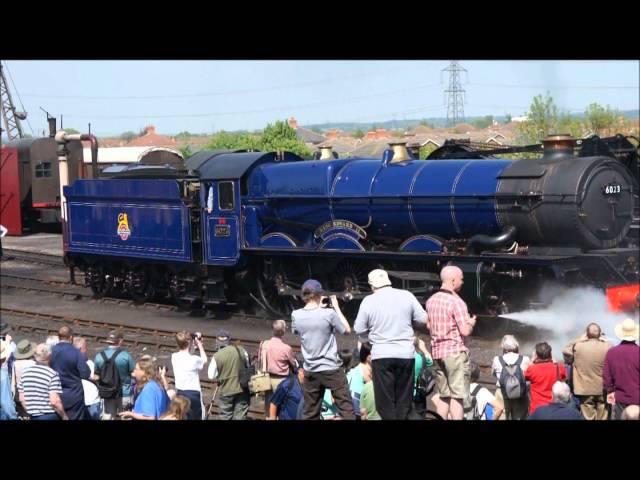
(612, 188)
(336, 224)
(222, 231)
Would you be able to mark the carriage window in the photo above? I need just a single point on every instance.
(43, 169)
(225, 195)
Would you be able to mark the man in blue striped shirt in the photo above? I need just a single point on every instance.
(40, 388)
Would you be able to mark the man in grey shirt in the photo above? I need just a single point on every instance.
(316, 324)
(386, 317)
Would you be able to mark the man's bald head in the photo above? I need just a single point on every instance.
(452, 277)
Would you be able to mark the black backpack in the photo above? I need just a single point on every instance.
(426, 380)
(475, 414)
(245, 371)
(109, 384)
(512, 382)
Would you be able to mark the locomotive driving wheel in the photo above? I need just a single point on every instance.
(99, 283)
(277, 277)
(139, 285)
(350, 277)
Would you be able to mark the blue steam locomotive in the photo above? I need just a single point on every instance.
(240, 227)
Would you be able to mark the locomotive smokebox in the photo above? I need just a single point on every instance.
(558, 145)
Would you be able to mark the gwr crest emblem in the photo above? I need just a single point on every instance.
(123, 226)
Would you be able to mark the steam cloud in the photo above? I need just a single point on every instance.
(568, 316)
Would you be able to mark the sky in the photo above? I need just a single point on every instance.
(208, 96)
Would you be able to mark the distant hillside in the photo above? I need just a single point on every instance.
(438, 122)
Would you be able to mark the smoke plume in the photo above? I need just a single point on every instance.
(567, 317)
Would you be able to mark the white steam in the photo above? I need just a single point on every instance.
(567, 317)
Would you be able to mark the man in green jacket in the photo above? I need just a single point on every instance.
(225, 367)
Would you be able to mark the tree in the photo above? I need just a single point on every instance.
(358, 134)
(507, 118)
(280, 136)
(424, 123)
(233, 141)
(184, 135)
(185, 151)
(425, 150)
(598, 119)
(542, 120)
(71, 130)
(483, 122)
(570, 125)
(128, 136)
(316, 130)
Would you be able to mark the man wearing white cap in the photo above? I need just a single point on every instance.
(386, 318)
(622, 369)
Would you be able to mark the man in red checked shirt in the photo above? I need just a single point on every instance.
(449, 324)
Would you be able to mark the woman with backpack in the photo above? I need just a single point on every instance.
(152, 400)
(484, 405)
(515, 406)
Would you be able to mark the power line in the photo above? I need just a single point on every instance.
(211, 94)
(264, 110)
(557, 87)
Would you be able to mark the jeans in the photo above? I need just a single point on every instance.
(95, 411)
(195, 412)
(314, 386)
(47, 416)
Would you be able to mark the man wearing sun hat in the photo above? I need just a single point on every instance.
(622, 369)
(25, 350)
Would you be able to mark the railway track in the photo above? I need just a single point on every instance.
(68, 290)
(33, 257)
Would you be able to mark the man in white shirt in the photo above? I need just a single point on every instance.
(91, 394)
(186, 368)
(3, 232)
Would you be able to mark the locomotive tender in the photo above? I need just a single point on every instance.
(256, 225)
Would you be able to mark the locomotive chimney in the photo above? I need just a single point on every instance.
(326, 152)
(400, 152)
(52, 126)
(558, 145)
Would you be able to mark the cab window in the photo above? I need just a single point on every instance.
(225, 196)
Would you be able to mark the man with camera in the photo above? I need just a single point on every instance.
(316, 324)
(186, 368)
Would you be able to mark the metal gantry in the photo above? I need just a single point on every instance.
(11, 117)
(455, 94)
